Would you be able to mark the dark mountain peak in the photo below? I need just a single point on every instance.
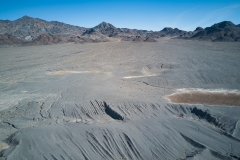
(198, 29)
(29, 26)
(224, 24)
(223, 31)
(103, 26)
(167, 29)
(103, 22)
(25, 18)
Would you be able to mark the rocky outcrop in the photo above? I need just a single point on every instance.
(46, 39)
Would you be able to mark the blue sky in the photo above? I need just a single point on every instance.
(138, 14)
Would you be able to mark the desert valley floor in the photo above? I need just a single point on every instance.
(171, 99)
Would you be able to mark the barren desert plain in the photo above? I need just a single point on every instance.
(171, 99)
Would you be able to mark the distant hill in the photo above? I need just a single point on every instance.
(139, 39)
(106, 29)
(33, 27)
(109, 30)
(167, 31)
(35, 31)
(223, 31)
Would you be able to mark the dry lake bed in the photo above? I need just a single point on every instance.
(171, 99)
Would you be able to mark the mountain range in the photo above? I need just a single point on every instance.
(35, 31)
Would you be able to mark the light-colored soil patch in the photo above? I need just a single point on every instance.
(214, 97)
(104, 120)
(3, 146)
(70, 72)
(130, 77)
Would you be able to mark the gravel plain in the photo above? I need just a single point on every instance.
(110, 101)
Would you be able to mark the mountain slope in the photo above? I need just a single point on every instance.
(104, 28)
(46, 39)
(223, 31)
(167, 31)
(8, 39)
(28, 26)
(35, 31)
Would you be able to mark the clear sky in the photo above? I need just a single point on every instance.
(134, 14)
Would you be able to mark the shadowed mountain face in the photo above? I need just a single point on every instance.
(167, 31)
(198, 29)
(224, 31)
(103, 28)
(109, 30)
(224, 24)
(32, 31)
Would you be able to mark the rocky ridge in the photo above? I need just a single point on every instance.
(35, 31)
(223, 31)
(28, 26)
